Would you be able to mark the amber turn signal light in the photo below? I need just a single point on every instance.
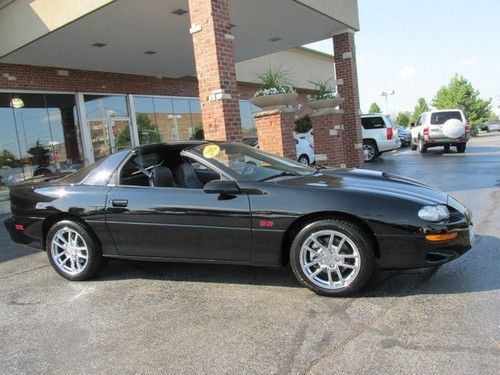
(441, 237)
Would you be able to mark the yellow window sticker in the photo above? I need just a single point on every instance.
(211, 151)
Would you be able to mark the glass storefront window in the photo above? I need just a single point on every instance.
(39, 135)
(109, 123)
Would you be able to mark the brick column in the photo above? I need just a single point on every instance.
(347, 84)
(275, 132)
(215, 69)
(328, 138)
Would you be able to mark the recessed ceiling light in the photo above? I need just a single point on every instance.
(274, 39)
(150, 52)
(98, 45)
(180, 12)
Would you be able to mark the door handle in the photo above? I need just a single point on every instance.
(119, 202)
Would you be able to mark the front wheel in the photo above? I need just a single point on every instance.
(73, 252)
(332, 257)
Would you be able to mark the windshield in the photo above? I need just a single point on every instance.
(245, 163)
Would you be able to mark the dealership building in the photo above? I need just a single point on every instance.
(82, 79)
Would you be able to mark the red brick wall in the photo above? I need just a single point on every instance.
(275, 132)
(345, 68)
(215, 66)
(326, 144)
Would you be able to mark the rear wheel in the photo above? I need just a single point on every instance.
(370, 150)
(461, 148)
(422, 147)
(73, 252)
(447, 147)
(332, 257)
(413, 146)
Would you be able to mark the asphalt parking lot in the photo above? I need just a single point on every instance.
(184, 318)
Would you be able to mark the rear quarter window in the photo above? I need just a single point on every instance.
(439, 118)
(372, 122)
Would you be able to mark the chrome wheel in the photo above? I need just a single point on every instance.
(69, 251)
(330, 259)
(368, 152)
(304, 160)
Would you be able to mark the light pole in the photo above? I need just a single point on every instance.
(385, 94)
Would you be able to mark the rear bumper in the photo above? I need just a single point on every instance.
(430, 142)
(28, 235)
(414, 251)
(384, 146)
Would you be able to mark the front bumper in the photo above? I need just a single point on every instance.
(414, 251)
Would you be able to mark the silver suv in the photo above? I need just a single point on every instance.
(447, 127)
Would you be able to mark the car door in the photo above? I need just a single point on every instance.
(179, 223)
(175, 222)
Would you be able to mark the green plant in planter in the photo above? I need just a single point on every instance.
(274, 80)
(322, 90)
(303, 124)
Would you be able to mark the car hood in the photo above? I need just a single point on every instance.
(372, 182)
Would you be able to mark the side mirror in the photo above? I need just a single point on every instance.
(223, 187)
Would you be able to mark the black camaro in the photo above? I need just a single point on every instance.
(227, 202)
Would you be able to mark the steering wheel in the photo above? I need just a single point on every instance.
(146, 171)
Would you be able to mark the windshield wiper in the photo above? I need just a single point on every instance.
(282, 174)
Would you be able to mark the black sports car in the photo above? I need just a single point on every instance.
(231, 203)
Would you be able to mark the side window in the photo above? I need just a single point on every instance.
(419, 122)
(135, 169)
(369, 123)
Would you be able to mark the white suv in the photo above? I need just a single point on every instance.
(447, 127)
(379, 135)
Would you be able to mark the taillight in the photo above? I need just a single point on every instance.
(426, 131)
(19, 226)
(390, 133)
(467, 129)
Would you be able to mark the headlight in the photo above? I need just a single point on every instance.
(434, 213)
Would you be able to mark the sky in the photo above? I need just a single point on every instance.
(415, 47)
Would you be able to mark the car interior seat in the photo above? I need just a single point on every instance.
(186, 176)
(161, 176)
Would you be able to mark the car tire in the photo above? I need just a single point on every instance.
(447, 148)
(328, 276)
(73, 251)
(303, 159)
(413, 147)
(422, 147)
(370, 150)
(461, 147)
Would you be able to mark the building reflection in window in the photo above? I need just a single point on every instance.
(39, 135)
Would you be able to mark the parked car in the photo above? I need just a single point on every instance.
(404, 135)
(492, 126)
(304, 149)
(445, 128)
(228, 202)
(379, 135)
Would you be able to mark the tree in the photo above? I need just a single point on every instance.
(9, 159)
(403, 118)
(493, 117)
(420, 108)
(460, 94)
(148, 132)
(374, 108)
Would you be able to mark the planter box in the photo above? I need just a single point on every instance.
(325, 103)
(269, 101)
